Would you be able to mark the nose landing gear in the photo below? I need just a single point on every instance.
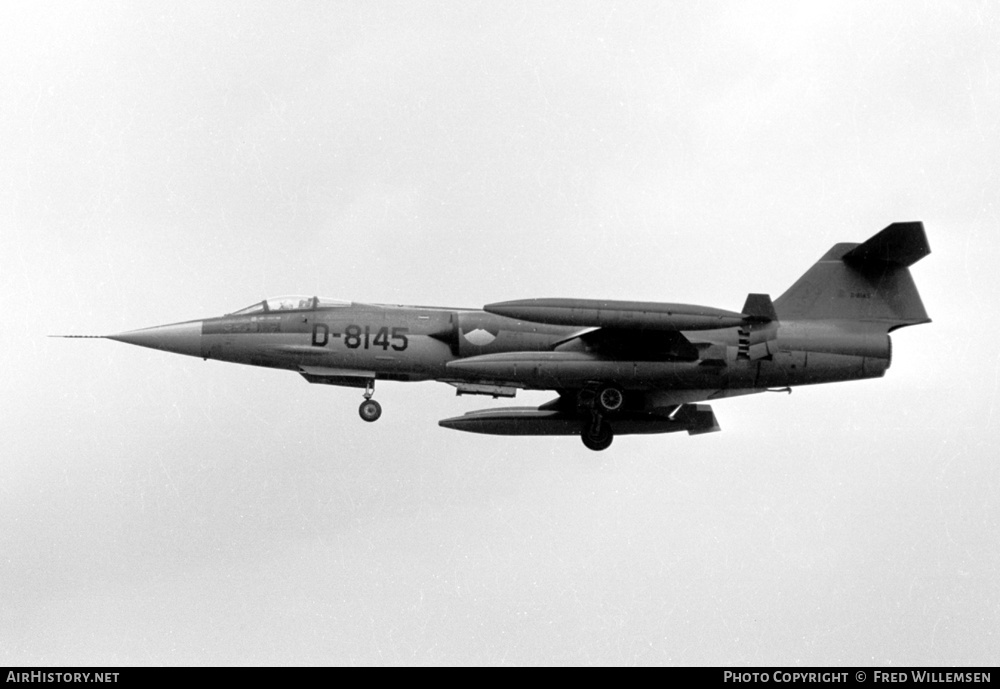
(370, 410)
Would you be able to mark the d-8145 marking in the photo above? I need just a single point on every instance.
(358, 337)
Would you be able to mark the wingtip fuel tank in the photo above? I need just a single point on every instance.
(617, 314)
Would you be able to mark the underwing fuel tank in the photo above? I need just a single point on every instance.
(559, 369)
(693, 418)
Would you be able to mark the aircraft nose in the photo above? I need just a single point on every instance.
(180, 338)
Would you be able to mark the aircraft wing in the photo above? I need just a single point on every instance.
(634, 344)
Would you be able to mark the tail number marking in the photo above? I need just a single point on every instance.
(358, 337)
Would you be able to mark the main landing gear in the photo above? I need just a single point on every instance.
(597, 434)
(602, 402)
(370, 410)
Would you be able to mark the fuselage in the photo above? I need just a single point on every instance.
(619, 367)
(338, 344)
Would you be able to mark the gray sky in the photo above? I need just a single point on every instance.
(166, 162)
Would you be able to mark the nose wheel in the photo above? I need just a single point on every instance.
(370, 410)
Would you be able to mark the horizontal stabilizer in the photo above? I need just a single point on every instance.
(625, 315)
(901, 243)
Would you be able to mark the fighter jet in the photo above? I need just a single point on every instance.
(618, 367)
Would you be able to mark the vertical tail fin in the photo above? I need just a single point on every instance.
(863, 282)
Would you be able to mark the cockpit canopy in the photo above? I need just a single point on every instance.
(295, 302)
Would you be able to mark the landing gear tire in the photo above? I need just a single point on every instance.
(609, 400)
(370, 410)
(597, 436)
